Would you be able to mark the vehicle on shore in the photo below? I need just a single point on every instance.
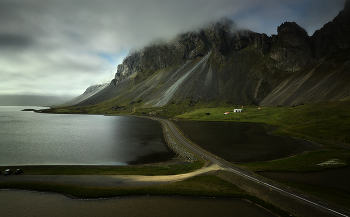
(7, 172)
(18, 171)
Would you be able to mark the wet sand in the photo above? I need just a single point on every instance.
(243, 142)
(28, 203)
(336, 179)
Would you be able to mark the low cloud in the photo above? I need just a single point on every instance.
(63, 46)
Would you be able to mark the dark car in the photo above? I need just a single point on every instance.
(18, 171)
(8, 172)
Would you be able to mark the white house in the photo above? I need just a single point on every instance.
(237, 110)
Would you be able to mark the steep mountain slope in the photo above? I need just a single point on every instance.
(328, 76)
(224, 64)
(89, 92)
(321, 81)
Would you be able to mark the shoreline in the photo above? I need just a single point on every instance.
(157, 187)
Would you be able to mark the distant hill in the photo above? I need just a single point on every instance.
(89, 92)
(32, 100)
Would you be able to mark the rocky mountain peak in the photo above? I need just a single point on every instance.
(333, 36)
(292, 34)
(347, 6)
(292, 49)
(215, 37)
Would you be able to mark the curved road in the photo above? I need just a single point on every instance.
(246, 174)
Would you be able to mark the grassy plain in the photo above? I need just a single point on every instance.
(325, 123)
(329, 122)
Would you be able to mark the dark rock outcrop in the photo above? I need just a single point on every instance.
(333, 36)
(292, 49)
(263, 43)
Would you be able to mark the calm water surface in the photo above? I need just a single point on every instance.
(243, 142)
(28, 203)
(29, 138)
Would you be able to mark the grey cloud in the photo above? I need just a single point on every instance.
(309, 14)
(65, 37)
(15, 41)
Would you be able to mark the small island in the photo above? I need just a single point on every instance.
(28, 110)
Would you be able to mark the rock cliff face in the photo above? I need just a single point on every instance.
(334, 36)
(220, 38)
(225, 64)
(292, 49)
(289, 50)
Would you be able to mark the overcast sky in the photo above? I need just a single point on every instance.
(60, 47)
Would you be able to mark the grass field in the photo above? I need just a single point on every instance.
(329, 121)
(325, 123)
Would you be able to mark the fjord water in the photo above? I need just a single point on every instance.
(50, 204)
(29, 138)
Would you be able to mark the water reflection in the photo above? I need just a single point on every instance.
(48, 204)
(29, 138)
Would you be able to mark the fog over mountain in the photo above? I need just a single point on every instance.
(60, 47)
(225, 64)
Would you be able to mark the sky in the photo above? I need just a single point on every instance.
(61, 47)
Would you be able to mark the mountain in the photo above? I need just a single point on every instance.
(221, 63)
(32, 100)
(89, 92)
(326, 77)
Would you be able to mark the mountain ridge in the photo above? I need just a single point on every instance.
(225, 64)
